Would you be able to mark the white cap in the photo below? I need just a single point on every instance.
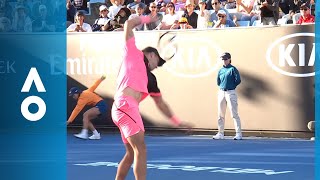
(103, 7)
(42, 7)
(221, 12)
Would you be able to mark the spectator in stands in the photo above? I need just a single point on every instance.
(289, 17)
(21, 21)
(297, 4)
(223, 3)
(27, 8)
(103, 22)
(60, 16)
(139, 12)
(183, 23)
(203, 16)
(286, 6)
(281, 14)
(160, 8)
(147, 3)
(71, 12)
(230, 4)
(114, 9)
(294, 9)
(35, 8)
(6, 9)
(126, 2)
(312, 7)
(223, 22)
(159, 3)
(179, 5)
(132, 6)
(253, 16)
(269, 11)
(153, 13)
(191, 16)
(306, 16)
(5, 25)
(120, 18)
(209, 5)
(81, 5)
(170, 20)
(43, 23)
(163, 7)
(140, 8)
(245, 7)
(79, 25)
(217, 7)
(196, 4)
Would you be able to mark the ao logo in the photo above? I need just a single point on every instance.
(296, 55)
(194, 58)
(33, 76)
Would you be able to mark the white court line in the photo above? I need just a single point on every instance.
(230, 162)
(191, 168)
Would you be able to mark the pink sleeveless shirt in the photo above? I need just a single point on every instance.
(133, 71)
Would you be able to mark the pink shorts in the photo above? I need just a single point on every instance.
(126, 115)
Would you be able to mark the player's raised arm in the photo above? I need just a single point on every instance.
(96, 84)
(130, 24)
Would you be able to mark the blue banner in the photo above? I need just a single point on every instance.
(33, 92)
(317, 92)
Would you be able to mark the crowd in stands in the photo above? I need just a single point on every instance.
(31, 16)
(203, 14)
(49, 15)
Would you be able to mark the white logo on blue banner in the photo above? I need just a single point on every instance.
(33, 76)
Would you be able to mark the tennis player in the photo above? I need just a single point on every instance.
(88, 97)
(134, 83)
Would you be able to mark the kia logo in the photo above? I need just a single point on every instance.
(293, 55)
(194, 57)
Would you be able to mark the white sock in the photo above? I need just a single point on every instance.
(84, 131)
(95, 132)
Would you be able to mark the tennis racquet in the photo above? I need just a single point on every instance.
(167, 45)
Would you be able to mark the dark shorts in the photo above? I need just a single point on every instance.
(102, 106)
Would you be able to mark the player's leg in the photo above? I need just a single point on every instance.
(127, 160)
(232, 101)
(126, 115)
(119, 118)
(140, 155)
(222, 105)
(102, 106)
(87, 117)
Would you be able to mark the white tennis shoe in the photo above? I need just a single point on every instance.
(95, 136)
(81, 136)
(218, 136)
(238, 136)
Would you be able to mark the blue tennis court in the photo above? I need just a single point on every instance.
(196, 158)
